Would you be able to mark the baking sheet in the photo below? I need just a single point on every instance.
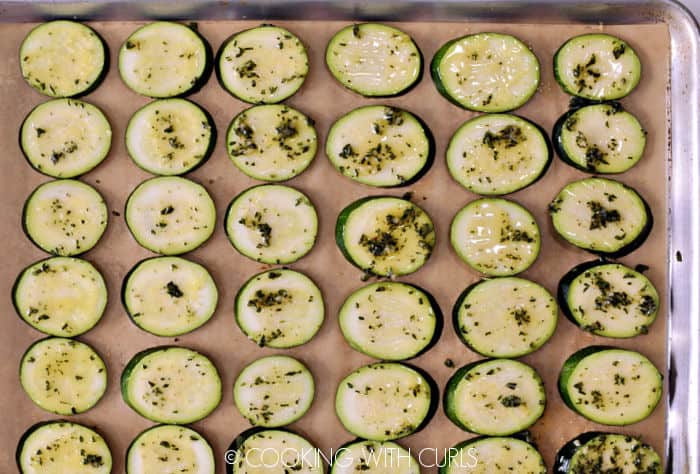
(328, 356)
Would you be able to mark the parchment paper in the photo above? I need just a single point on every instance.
(328, 356)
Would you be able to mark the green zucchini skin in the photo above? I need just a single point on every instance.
(435, 71)
(524, 436)
(569, 367)
(340, 226)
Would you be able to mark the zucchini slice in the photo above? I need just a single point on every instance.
(379, 145)
(608, 299)
(271, 142)
(65, 138)
(274, 391)
(610, 386)
(495, 397)
(384, 401)
(60, 296)
(607, 452)
(599, 138)
(497, 154)
(385, 236)
(169, 296)
(170, 448)
(170, 384)
(272, 224)
(486, 72)
(170, 215)
(487, 455)
(390, 320)
(496, 237)
(170, 137)
(505, 317)
(279, 309)
(374, 60)
(597, 66)
(267, 450)
(262, 65)
(164, 59)
(374, 457)
(601, 215)
(63, 58)
(65, 217)
(63, 376)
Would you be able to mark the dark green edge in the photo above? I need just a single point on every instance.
(41, 424)
(21, 364)
(225, 44)
(437, 80)
(207, 153)
(82, 250)
(457, 377)
(525, 436)
(20, 277)
(346, 446)
(126, 219)
(310, 122)
(340, 230)
(137, 358)
(75, 176)
(634, 243)
(586, 99)
(278, 261)
(437, 331)
(408, 88)
(128, 311)
(458, 329)
(160, 425)
(199, 82)
(249, 281)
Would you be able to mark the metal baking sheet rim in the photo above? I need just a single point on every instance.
(683, 176)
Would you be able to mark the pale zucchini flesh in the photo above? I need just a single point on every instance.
(170, 449)
(607, 452)
(489, 455)
(374, 457)
(259, 451)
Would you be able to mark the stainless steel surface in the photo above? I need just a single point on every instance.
(683, 426)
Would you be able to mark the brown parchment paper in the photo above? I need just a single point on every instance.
(328, 355)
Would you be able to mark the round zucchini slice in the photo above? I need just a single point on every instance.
(169, 296)
(486, 455)
(272, 224)
(597, 66)
(65, 217)
(374, 457)
(170, 384)
(268, 450)
(601, 215)
(385, 236)
(63, 376)
(62, 446)
(170, 215)
(486, 72)
(170, 448)
(279, 309)
(274, 391)
(374, 60)
(65, 138)
(262, 65)
(608, 299)
(505, 317)
(271, 142)
(599, 138)
(390, 320)
(496, 237)
(497, 154)
(607, 452)
(610, 386)
(164, 59)
(63, 58)
(495, 397)
(170, 137)
(60, 296)
(384, 401)
(381, 146)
